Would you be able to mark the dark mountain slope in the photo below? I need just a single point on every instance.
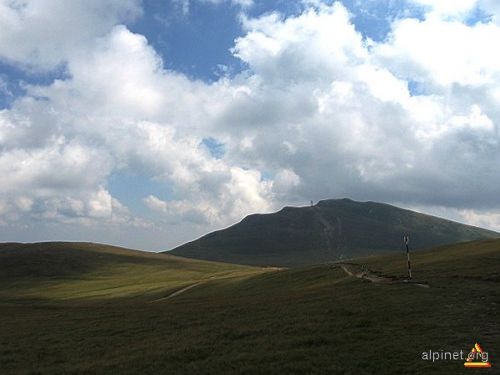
(330, 230)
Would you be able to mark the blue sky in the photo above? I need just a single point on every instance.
(149, 123)
(197, 43)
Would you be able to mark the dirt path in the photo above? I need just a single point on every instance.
(191, 286)
(176, 293)
(361, 272)
(329, 230)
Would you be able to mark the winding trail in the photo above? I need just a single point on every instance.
(351, 269)
(362, 272)
(176, 293)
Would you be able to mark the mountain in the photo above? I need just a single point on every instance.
(331, 230)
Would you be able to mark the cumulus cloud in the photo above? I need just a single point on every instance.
(43, 34)
(121, 111)
(485, 219)
(319, 111)
(441, 52)
(357, 130)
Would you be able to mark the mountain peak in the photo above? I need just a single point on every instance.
(330, 230)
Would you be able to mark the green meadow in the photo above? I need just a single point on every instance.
(91, 309)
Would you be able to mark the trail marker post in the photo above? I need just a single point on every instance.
(407, 241)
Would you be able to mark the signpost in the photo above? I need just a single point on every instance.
(407, 240)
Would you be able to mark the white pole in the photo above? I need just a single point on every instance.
(407, 240)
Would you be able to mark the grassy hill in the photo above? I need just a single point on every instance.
(330, 230)
(309, 320)
(72, 271)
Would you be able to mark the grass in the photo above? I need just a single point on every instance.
(77, 271)
(331, 230)
(312, 320)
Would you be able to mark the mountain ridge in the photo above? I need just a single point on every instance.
(332, 229)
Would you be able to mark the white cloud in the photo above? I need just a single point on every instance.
(484, 219)
(318, 112)
(492, 8)
(313, 46)
(96, 122)
(42, 34)
(356, 118)
(442, 52)
(155, 203)
(52, 169)
(459, 9)
(448, 7)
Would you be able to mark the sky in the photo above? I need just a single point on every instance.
(150, 123)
